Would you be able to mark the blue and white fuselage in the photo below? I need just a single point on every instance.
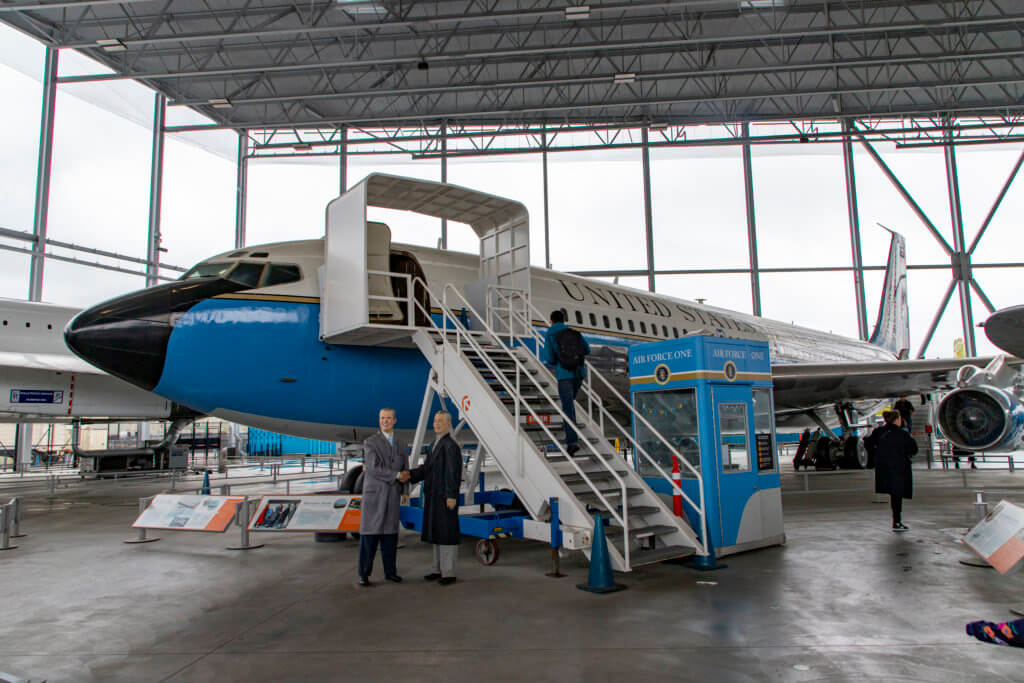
(236, 339)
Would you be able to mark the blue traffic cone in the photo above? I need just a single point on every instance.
(600, 579)
(206, 484)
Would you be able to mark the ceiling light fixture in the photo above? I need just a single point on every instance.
(624, 78)
(219, 103)
(577, 12)
(111, 45)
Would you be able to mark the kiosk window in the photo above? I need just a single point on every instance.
(763, 436)
(732, 426)
(672, 412)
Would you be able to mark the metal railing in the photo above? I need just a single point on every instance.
(594, 400)
(451, 324)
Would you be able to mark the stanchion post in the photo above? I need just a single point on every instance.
(980, 506)
(556, 541)
(5, 528)
(143, 504)
(274, 468)
(16, 518)
(242, 519)
(288, 487)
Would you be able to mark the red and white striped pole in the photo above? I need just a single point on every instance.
(677, 495)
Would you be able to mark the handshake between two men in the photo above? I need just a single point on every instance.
(405, 476)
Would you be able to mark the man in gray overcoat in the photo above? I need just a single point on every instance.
(385, 473)
(441, 474)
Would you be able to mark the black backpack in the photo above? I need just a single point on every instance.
(571, 349)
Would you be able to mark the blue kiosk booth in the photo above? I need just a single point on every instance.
(711, 397)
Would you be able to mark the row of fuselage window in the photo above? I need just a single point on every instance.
(655, 330)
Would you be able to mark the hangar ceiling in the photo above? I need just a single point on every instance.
(321, 64)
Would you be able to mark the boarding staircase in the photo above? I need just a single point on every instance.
(484, 355)
(509, 399)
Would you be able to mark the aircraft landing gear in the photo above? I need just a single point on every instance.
(855, 455)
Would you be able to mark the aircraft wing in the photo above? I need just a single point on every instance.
(804, 385)
(42, 381)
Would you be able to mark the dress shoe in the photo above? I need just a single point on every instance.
(434, 576)
(572, 449)
(394, 577)
(447, 580)
(364, 581)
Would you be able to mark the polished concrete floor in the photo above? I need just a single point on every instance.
(844, 600)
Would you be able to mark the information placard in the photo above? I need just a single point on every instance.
(189, 513)
(999, 538)
(333, 513)
(765, 453)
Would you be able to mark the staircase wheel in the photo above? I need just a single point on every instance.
(487, 551)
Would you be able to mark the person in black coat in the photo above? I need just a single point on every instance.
(801, 450)
(441, 474)
(893, 447)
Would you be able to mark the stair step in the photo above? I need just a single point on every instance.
(639, 558)
(598, 474)
(642, 531)
(634, 511)
(591, 497)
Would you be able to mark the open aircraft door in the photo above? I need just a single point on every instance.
(358, 303)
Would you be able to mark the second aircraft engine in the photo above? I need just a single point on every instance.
(985, 412)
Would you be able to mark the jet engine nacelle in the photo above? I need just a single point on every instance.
(985, 413)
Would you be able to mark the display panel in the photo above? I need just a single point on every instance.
(763, 433)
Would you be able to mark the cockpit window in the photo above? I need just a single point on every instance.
(208, 270)
(247, 274)
(279, 275)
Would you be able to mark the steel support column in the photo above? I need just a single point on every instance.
(961, 259)
(241, 187)
(855, 245)
(23, 447)
(748, 194)
(35, 286)
(156, 184)
(444, 179)
(547, 225)
(343, 161)
(648, 214)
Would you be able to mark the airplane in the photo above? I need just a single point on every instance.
(238, 337)
(40, 381)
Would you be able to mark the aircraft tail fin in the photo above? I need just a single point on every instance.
(892, 331)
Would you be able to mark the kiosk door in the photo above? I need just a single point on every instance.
(737, 474)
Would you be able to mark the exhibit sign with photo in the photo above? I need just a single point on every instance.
(999, 537)
(189, 513)
(333, 513)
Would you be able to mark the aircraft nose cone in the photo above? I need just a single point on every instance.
(126, 337)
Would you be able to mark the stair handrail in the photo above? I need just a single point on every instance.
(638, 448)
(521, 369)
